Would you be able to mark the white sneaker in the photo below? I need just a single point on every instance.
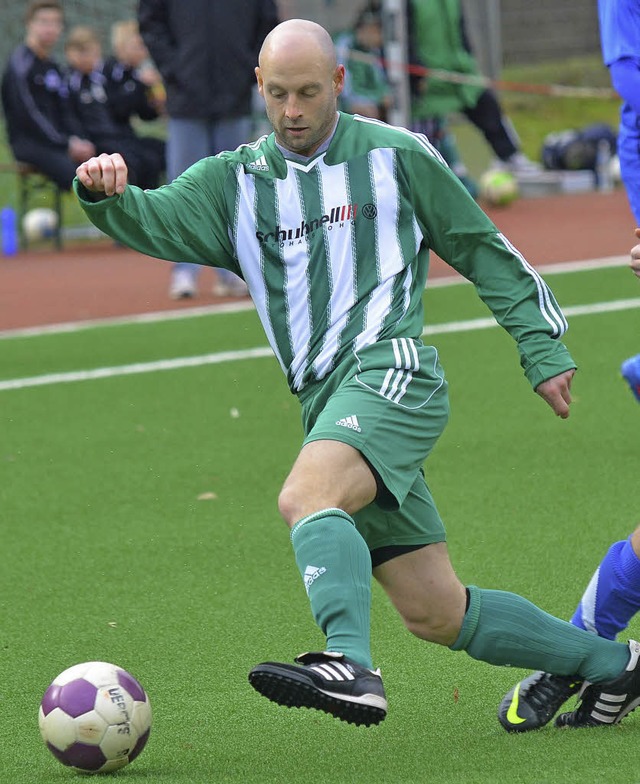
(182, 285)
(518, 163)
(236, 288)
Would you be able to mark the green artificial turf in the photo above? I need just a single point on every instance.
(139, 525)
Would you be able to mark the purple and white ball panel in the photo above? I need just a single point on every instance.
(95, 716)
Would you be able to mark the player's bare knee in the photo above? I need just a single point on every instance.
(291, 504)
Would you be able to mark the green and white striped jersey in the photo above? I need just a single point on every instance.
(335, 250)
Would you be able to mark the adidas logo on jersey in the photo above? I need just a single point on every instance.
(311, 574)
(260, 164)
(351, 422)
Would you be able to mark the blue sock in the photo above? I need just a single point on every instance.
(612, 597)
(335, 565)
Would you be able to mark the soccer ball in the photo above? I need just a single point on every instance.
(498, 188)
(95, 717)
(40, 223)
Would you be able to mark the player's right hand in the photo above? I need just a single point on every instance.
(105, 174)
(635, 256)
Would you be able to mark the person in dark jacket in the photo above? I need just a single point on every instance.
(88, 98)
(40, 127)
(439, 41)
(206, 52)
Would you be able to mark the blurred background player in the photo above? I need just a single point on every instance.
(206, 53)
(40, 127)
(89, 102)
(134, 87)
(366, 87)
(438, 40)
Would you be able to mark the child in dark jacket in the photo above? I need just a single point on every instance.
(134, 86)
(87, 88)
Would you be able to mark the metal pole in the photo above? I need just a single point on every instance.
(395, 52)
(483, 26)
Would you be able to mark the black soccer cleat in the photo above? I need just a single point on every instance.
(602, 704)
(534, 701)
(325, 681)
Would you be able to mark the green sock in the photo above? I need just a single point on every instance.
(503, 628)
(335, 564)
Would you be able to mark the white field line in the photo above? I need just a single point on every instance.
(236, 307)
(263, 351)
(141, 318)
(560, 268)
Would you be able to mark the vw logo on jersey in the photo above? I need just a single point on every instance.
(369, 211)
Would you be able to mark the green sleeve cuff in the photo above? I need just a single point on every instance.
(88, 198)
(542, 362)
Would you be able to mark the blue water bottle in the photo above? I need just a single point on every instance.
(9, 231)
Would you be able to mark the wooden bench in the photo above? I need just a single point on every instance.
(31, 183)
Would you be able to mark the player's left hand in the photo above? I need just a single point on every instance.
(556, 391)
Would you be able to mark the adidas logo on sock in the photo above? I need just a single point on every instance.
(311, 574)
(260, 164)
(351, 422)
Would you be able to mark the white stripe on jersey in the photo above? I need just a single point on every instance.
(552, 315)
(248, 246)
(376, 311)
(294, 256)
(334, 189)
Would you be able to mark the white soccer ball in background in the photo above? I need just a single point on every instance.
(95, 717)
(498, 187)
(40, 223)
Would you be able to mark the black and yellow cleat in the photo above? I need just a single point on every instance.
(534, 701)
(604, 704)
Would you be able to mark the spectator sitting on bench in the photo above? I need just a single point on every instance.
(40, 128)
(88, 98)
(133, 85)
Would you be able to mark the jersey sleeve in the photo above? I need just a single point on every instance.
(463, 236)
(183, 221)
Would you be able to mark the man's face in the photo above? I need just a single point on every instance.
(300, 94)
(44, 29)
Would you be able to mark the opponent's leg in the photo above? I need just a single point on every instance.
(611, 599)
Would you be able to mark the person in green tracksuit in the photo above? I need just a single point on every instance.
(330, 220)
(367, 89)
(439, 41)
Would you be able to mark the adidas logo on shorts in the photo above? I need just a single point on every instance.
(351, 422)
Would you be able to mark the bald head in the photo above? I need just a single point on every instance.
(298, 38)
(300, 81)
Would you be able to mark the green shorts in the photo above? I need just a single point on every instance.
(392, 408)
